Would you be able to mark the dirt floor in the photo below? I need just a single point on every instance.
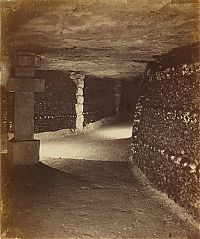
(108, 143)
(98, 198)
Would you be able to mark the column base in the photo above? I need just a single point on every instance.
(23, 152)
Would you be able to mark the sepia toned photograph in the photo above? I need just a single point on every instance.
(100, 119)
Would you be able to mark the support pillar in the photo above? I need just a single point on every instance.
(23, 149)
(79, 81)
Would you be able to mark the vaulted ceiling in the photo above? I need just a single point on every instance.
(104, 38)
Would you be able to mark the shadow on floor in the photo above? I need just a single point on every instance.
(31, 193)
(84, 199)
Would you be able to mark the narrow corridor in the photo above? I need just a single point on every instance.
(66, 68)
(67, 196)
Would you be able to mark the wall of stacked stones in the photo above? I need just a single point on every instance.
(166, 133)
(99, 100)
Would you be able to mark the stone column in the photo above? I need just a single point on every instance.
(79, 81)
(117, 90)
(23, 149)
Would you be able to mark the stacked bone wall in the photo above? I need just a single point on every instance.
(55, 108)
(166, 133)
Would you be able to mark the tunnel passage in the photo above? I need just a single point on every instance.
(104, 101)
(99, 99)
(165, 139)
(129, 96)
(110, 40)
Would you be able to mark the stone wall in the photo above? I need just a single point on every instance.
(99, 100)
(165, 140)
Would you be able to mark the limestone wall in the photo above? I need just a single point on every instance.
(166, 133)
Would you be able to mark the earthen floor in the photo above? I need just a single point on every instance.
(88, 191)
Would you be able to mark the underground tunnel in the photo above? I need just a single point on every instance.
(100, 119)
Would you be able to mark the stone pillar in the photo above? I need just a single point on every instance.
(79, 81)
(4, 76)
(23, 149)
(117, 90)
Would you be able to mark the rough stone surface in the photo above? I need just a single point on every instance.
(79, 91)
(79, 108)
(80, 99)
(23, 152)
(24, 116)
(78, 79)
(112, 38)
(26, 85)
(165, 140)
(24, 72)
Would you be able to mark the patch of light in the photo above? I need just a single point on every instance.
(104, 144)
(117, 132)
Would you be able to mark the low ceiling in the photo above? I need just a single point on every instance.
(104, 38)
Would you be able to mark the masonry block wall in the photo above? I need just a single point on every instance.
(99, 100)
(166, 133)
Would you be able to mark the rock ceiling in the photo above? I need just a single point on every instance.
(104, 38)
